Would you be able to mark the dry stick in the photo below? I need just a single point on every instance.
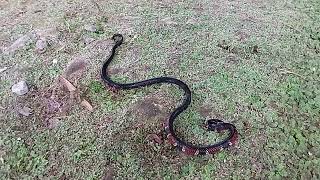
(284, 71)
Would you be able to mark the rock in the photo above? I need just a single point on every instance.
(25, 111)
(91, 28)
(20, 88)
(41, 46)
(88, 40)
(20, 43)
(54, 61)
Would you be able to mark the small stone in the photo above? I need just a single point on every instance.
(20, 43)
(20, 88)
(41, 46)
(25, 111)
(91, 28)
(54, 61)
(88, 40)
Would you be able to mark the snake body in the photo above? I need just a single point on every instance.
(187, 148)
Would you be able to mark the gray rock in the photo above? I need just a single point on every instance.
(20, 43)
(41, 46)
(25, 111)
(91, 28)
(88, 40)
(20, 88)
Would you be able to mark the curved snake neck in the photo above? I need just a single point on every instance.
(212, 124)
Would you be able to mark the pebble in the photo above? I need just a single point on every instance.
(88, 40)
(41, 46)
(25, 111)
(20, 88)
(54, 61)
(20, 43)
(90, 28)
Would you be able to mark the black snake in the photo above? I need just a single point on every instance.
(212, 124)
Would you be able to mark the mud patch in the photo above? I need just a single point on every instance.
(147, 108)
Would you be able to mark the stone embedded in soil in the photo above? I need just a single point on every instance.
(88, 40)
(20, 43)
(91, 28)
(25, 111)
(41, 46)
(20, 88)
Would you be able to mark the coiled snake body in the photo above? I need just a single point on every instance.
(187, 148)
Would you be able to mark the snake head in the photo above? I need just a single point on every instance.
(215, 125)
(118, 39)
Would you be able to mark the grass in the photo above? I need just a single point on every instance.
(253, 64)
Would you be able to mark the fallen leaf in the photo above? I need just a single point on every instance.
(25, 111)
(155, 138)
(67, 84)
(87, 105)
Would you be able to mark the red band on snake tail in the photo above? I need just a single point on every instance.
(189, 151)
(234, 138)
(213, 150)
(172, 140)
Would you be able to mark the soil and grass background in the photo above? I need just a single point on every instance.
(254, 63)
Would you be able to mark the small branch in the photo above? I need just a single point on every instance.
(284, 71)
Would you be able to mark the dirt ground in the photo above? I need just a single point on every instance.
(254, 63)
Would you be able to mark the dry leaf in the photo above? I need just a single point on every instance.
(67, 84)
(87, 105)
(155, 138)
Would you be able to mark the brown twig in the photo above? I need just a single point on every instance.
(285, 71)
